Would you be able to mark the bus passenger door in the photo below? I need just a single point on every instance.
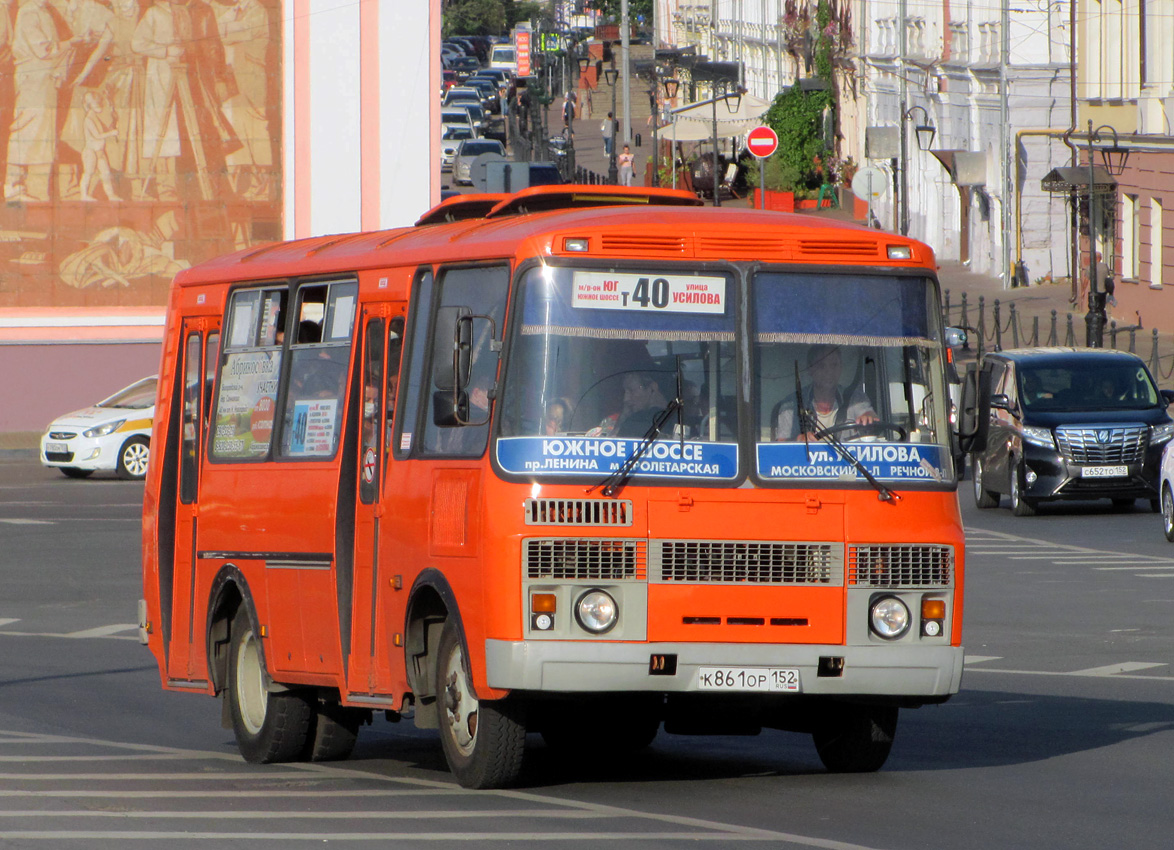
(200, 350)
(382, 334)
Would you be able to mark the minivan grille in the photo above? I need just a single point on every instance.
(757, 562)
(909, 565)
(1111, 444)
(573, 559)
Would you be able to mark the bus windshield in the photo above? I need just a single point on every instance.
(597, 354)
(856, 358)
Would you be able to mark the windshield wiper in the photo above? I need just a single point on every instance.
(616, 481)
(809, 423)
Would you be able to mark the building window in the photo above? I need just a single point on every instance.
(1157, 231)
(1130, 237)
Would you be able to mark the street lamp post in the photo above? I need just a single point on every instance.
(1114, 158)
(734, 98)
(670, 92)
(613, 174)
(925, 133)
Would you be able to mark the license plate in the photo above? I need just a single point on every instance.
(748, 679)
(56, 448)
(1104, 471)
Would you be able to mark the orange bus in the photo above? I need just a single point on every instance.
(590, 462)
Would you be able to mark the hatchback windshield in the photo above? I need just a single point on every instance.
(1086, 386)
(137, 396)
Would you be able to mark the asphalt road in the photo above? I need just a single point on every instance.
(1062, 737)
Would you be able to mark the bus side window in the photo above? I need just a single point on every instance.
(312, 416)
(415, 378)
(395, 346)
(483, 291)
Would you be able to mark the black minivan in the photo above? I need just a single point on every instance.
(1071, 423)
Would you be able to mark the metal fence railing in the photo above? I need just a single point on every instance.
(997, 326)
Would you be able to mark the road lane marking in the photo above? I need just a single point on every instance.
(979, 659)
(1123, 667)
(28, 521)
(4, 621)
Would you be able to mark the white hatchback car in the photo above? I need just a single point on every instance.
(113, 435)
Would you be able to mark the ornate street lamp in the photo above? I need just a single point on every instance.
(613, 174)
(924, 132)
(1114, 158)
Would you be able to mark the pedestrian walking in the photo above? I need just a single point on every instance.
(625, 160)
(609, 127)
(569, 112)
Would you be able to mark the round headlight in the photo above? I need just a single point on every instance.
(889, 617)
(596, 611)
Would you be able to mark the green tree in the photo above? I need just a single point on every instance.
(801, 162)
(636, 8)
(473, 17)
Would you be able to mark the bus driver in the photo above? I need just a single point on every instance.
(823, 400)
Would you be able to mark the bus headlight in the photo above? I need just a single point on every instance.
(889, 617)
(597, 611)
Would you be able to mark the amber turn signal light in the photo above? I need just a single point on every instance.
(933, 609)
(543, 603)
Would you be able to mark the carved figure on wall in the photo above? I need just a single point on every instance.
(186, 80)
(95, 163)
(118, 255)
(244, 28)
(40, 59)
(124, 89)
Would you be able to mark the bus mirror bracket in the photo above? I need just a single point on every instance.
(450, 404)
(974, 419)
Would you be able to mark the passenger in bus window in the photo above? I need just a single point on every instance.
(824, 400)
(558, 417)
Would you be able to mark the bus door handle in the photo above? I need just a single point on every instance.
(378, 509)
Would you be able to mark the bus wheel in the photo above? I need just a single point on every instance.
(132, 459)
(482, 740)
(335, 731)
(856, 738)
(269, 727)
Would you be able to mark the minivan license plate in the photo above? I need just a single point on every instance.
(747, 679)
(1104, 471)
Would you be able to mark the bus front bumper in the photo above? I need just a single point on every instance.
(571, 666)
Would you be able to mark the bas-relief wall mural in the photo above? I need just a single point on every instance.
(137, 138)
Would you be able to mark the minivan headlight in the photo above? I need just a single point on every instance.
(104, 430)
(1038, 437)
(1161, 433)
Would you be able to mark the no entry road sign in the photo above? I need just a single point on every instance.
(762, 142)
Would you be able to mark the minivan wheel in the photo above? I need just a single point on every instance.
(983, 498)
(1020, 504)
(1168, 512)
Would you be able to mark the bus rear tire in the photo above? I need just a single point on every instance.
(269, 727)
(335, 731)
(856, 738)
(483, 741)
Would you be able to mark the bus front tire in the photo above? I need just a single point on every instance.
(483, 741)
(856, 738)
(269, 727)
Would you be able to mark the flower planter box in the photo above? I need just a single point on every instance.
(810, 204)
(777, 201)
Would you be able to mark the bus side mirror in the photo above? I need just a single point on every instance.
(955, 337)
(452, 347)
(974, 419)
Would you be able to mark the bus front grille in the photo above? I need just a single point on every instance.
(578, 512)
(747, 561)
(911, 565)
(572, 559)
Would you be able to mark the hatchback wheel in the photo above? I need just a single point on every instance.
(132, 459)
